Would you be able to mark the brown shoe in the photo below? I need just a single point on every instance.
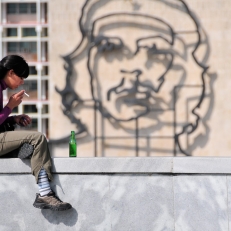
(50, 201)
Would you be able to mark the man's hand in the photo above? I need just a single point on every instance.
(15, 100)
(22, 120)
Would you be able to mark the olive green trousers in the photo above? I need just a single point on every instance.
(12, 140)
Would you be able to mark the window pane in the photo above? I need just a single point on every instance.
(24, 47)
(23, 8)
(12, 32)
(30, 109)
(33, 8)
(28, 47)
(45, 70)
(11, 8)
(45, 109)
(46, 123)
(28, 32)
(32, 127)
(44, 32)
(33, 47)
(32, 70)
(12, 47)
(44, 89)
(15, 110)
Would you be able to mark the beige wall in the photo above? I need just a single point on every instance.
(212, 136)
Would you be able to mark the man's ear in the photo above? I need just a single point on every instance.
(10, 73)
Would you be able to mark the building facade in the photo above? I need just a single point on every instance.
(24, 31)
(69, 74)
(156, 134)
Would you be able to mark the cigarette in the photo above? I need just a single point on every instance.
(26, 94)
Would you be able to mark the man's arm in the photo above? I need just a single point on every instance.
(4, 115)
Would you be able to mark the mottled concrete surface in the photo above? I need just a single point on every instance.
(201, 203)
(100, 202)
(118, 201)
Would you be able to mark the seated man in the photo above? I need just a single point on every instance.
(13, 71)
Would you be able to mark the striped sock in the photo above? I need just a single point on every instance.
(43, 183)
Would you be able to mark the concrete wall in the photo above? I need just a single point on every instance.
(212, 136)
(148, 194)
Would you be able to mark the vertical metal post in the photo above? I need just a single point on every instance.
(137, 138)
(174, 119)
(148, 145)
(95, 127)
(187, 119)
(102, 136)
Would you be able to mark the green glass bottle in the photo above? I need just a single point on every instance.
(72, 145)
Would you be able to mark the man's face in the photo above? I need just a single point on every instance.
(128, 78)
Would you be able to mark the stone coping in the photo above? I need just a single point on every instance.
(142, 165)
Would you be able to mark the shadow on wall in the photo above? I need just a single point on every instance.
(206, 197)
(68, 217)
(153, 87)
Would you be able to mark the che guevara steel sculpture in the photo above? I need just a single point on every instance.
(144, 88)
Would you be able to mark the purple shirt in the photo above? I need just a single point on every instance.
(4, 112)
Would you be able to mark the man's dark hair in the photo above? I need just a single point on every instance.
(15, 63)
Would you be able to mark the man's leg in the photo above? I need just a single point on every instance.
(46, 199)
(41, 158)
(40, 165)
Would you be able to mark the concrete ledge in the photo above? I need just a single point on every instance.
(202, 165)
(181, 165)
(150, 194)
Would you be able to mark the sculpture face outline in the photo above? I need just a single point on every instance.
(104, 43)
(135, 85)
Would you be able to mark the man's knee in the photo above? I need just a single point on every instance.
(39, 136)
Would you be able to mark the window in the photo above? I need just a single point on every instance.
(28, 47)
(33, 8)
(45, 109)
(30, 109)
(28, 32)
(44, 90)
(12, 8)
(12, 47)
(33, 126)
(15, 110)
(12, 32)
(21, 8)
(44, 32)
(23, 47)
(32, 70)
(45, 70)
(46, 123)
